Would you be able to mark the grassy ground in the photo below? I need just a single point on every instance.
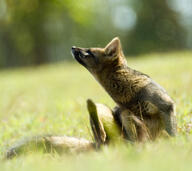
(51, 99)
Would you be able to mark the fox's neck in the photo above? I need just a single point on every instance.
(114, 69)
(114, 79)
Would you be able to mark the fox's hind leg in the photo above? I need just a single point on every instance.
(96, 125)
(135, 128)
(169, 120)
(102, 122)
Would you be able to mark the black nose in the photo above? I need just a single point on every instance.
(73, 47)
(75, 51)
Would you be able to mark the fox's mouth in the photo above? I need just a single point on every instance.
(78, 55)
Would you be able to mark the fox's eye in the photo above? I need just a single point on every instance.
(85, 53)
(89, 52)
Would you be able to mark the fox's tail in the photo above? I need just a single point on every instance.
(50, 144)
(103, 126)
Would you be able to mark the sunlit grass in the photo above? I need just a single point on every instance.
(52, 100)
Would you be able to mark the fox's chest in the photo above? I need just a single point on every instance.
(123, 88)
(143, 108)
(120, 92)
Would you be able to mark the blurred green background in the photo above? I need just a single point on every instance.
(34, 32)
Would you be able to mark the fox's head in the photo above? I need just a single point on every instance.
(95, 59)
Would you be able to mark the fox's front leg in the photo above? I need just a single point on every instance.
(103, 124)
(134, 127)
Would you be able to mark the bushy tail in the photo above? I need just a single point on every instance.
(103, 126)
(49, 144)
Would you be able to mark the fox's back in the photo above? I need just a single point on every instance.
(134, 90)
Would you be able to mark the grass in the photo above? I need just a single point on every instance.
(52, 99)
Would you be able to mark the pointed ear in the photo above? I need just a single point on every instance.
(113, 48)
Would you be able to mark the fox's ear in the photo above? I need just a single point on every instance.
(113, 48)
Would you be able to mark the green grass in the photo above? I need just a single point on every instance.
(52, 100)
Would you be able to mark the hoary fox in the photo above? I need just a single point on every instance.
(144, 108)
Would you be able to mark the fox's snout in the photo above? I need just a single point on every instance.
(78, 54)
(74, 51)
(74, 48)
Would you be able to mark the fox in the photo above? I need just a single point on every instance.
(144, 109)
